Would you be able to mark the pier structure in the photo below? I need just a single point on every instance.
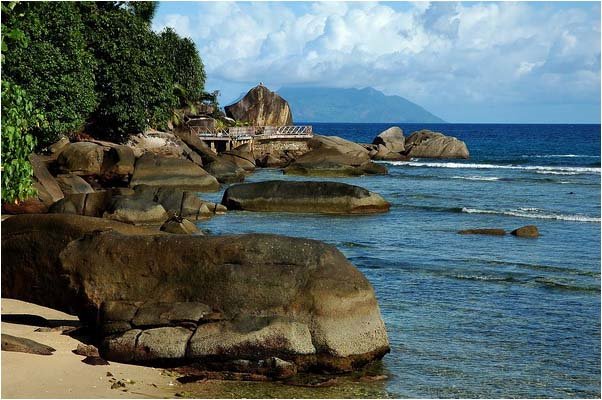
(224, 139)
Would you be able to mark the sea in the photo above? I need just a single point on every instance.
(468, 316)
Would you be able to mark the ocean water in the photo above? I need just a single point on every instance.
(468, 316)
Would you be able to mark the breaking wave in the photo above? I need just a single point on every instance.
(533, 213)
(536, 168)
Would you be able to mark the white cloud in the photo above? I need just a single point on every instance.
(434, 54)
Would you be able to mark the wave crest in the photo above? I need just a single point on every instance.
(533, 213)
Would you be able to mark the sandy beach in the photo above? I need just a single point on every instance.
(63, 374)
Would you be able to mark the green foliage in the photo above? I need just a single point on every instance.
(98, 65)
(18, 116)
(55, 68)
(134, 85)
(184, 66)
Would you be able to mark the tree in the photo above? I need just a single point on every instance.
(54, 69)
(184, 65)
(18, 116)
(133, 84)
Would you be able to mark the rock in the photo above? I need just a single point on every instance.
(82, 158)
(58, 146)
(242, 156)
(296, 299)
(429, 144)
(153, 170)
(118, 161)
(176, 201)
(392, 139)
(528, 231)
(48, 188)
(261, 107)
(335, 170)
(483, 231)
(385, 154)
(28, 206)
(73, 184)
(179, 226)
(197, 145)
(320, 197)
(226, 171)
(22, 345)
(271, 160)
(137, 211)
(333, 149)
(86, 350)
(90, 204)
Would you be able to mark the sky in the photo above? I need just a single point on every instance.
(480, 62)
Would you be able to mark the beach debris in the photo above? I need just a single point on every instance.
(22, 345)
(118, 385)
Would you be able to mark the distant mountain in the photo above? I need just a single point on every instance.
(318, 104)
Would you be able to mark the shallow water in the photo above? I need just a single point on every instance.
(468, 316)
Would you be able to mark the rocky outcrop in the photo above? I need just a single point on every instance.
(162, 144)
(119, 160)
(483, 231)
(154, 170)
(429, 144)
(392, 139)
(528, 231)
(92, 204)
(45, 184)
(136, 210)
(261, 107)
(82, 158)
(191, 298)
(310, 196)
(333, 156)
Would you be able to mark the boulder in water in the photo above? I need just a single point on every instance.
(483, 231)
(309, 196)
(392, 139)
(528, 231)
(429, 144)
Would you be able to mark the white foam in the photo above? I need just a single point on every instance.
(477, 178)
(533, 213)
(558, 156)
(549, 169)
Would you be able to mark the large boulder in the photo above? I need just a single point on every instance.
(310, 196)
(49, 191)
(242, 156)
(92, 204)
(333, 156)
(429, 144)
(118, 161)
(528, 231)
(135, 210)
(261, 107)
(196, 144)
(162, 144)
(154, 170)
(72, 184)
(178, 202)
(392, 139)
(191, 298)
(385, 154)
(82, 158)
(225, 171)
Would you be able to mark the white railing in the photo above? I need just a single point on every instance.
(248, 132)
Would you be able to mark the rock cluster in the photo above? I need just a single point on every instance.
(196, 299)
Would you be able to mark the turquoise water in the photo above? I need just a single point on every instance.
(471, 316)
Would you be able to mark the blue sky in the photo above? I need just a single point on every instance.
(524, 62)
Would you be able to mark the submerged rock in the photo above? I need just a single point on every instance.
(250, 296)
(310, 196)
(528, 231)
(483, 231)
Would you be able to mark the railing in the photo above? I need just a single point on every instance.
(249, 132)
